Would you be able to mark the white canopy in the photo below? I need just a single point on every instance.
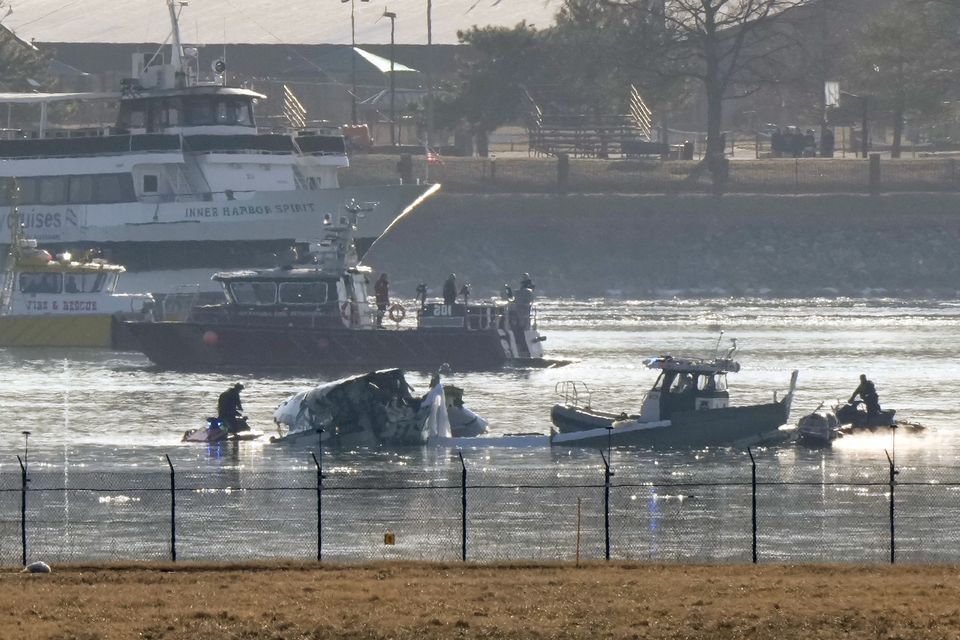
(382, 64)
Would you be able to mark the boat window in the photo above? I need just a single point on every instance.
(40, 282)
(70, 284)
(682, 383)
(241, 110)
(114, 187)
(711, 383)
(303, 292)
(658, 385)
(172, 108)
(53, 190)
(93, 282)
(137, 118)
(199, 111)
(150, 183)
(721, 382)
(254, 292)
(28, 190)
(81, 189)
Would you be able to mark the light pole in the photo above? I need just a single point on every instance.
(393, 19)
(353, 59)
(429, 75)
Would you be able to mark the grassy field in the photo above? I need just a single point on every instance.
(292, 602)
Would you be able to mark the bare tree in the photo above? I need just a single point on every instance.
(730, 46)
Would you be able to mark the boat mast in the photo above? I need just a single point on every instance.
(176, 46)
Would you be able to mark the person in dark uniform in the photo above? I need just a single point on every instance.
(522, 302)
(465, 292)
(422, 295)
(230, 411)
(450, 289)
(867, 393)
(381, 290)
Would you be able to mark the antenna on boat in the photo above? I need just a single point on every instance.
(176, 46)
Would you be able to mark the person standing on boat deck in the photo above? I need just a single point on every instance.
(523, 301)
(465, 292)
(450, 289)
(422, 295)
(867, 393)
(229, 409)
(381, 290)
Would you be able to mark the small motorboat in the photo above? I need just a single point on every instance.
(818, 428)
(688, 406)
(376, 409)
(217, 431)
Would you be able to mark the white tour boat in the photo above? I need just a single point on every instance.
(184, 182)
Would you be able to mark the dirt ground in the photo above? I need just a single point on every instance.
(292, 602)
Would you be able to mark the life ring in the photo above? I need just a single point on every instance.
(345, 311)
(397, 313)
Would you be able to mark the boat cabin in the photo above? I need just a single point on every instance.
(302, 296)
(201, 109)
(44, 284)
(687, 385)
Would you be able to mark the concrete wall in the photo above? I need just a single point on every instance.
(652, 245)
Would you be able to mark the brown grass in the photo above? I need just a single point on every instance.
(261, 601)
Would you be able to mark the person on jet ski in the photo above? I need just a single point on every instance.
(867, 393)
(230, 411)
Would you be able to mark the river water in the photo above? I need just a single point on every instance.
(98, 412)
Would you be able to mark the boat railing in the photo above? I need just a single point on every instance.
(574, 392)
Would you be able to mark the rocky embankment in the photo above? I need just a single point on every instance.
(653, 245)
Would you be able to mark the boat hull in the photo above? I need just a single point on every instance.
(716, 427)
(196, 346)
(95, 330)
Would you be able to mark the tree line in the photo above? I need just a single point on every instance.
(896, 57)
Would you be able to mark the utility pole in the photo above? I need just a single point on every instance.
(429, 75)
(393, 137)
(353, 59)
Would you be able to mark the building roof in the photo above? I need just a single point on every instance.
(287, 21)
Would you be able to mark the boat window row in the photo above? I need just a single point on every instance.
(103, 188)
(38, 282)
(268, 293)
(185, 111)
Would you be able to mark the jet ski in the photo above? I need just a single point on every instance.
(217, 431)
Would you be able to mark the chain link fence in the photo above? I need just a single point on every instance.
(760, 512)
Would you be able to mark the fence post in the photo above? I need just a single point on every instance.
(893, 483)
(173, 510)
(753, 509)
(607, 474)
(319, 503)
(874, 174)
(563, 172)
(23, 508)
(463, 508)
